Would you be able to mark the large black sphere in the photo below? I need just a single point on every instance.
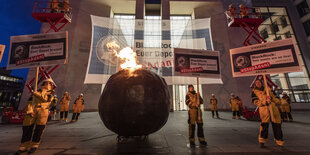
(134, 104)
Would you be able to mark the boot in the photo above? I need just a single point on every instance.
(262, 145)
(32, 150)
(204, 143)
(192, 144)
(20, 152)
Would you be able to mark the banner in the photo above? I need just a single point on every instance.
(197, 63)
(267, 58)
(153, 41)
(28, 51)
(2, 47)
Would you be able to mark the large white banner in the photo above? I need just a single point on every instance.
(28, 51)
(153, 41)
(268, 58)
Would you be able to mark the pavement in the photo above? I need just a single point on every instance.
(225, 136)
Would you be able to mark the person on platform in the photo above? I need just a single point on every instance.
(37, 110)
(268, 112)
(64, 107)
(78, 107)
(213, 103)
(53, 107)
(285, 107)
(194, 116)
(54, 6)
(244, 11)
(234, 104)
(232, 10)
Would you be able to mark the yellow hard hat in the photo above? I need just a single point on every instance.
(230, 5)
(66, 92)
(240, 5)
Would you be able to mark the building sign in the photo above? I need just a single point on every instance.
(267, 58)
(197, 63)
(2, 47)
(152, 40)
(29, 51)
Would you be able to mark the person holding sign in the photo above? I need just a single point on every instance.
(285, 107)
(37, 110)
(194, 116)
(64, 107)
(234, 104)
(263, 97)
(213, 102)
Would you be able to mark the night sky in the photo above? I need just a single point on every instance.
(16, 19)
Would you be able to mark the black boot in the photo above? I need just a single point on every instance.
(262, 145)
(204, 143)
(32, 150)
(20, 152)
(192, 144)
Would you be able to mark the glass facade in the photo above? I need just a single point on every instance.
(277, 26)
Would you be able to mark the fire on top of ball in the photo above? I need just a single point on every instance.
(127, 55)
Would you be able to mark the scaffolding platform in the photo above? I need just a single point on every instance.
(250, 24)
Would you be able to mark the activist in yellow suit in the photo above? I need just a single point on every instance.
(194, 116)
(64, 107)
(37, 110)
(234, 104)
(268, 112)
(285, 107)
(78, 107)
(213, 103)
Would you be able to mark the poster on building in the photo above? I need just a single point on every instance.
(197, 63)
(2, 47)
(153, 41)
(29, 51)
(268, 58)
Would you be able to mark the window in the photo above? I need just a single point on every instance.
(274, 27)
(278, 38)
(283, 21)
(264, 33)
(303, 8)
(307, 27)
(288, 34)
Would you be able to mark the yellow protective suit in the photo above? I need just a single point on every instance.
(234, 104)
(213, 102)
(64, 103)
(285, 106)
(78, 105)
(37, 111)
(268, 112)
(195, 116)
(55, 5)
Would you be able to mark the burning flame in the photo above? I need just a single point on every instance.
(127, 55)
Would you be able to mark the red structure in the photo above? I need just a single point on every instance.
(249, 25)
(58, 15)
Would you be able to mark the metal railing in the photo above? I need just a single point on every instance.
(52, 7)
